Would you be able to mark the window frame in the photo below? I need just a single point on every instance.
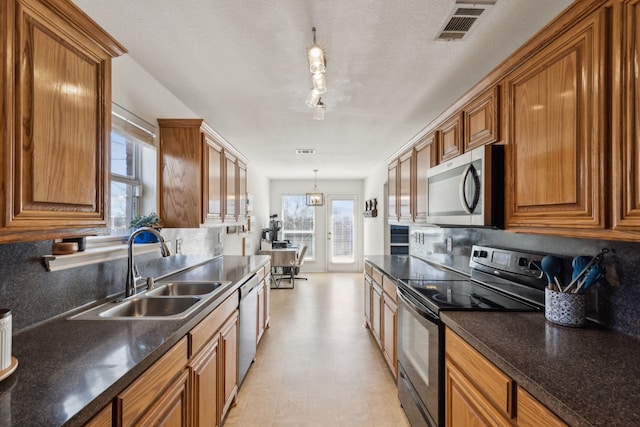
(311, 248)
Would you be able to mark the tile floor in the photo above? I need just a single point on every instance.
(317, 365)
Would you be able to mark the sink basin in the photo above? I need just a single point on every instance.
(168, 300)
(185, 288)
(151, 307)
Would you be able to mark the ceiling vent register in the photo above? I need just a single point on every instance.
(464, 17)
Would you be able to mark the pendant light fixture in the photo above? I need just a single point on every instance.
(315, 197)
(317, 67)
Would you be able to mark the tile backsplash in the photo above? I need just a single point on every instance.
(35, 295)
(614, 302)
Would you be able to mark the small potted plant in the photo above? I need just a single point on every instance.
(151, 220)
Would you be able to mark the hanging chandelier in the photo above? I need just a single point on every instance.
(317, 67)
(315, 197)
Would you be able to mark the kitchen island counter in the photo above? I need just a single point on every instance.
(70, 369)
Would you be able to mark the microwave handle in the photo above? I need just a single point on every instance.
(469, 171)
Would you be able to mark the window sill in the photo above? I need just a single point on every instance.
(95, 254)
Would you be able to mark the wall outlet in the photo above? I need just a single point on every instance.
(449, 244)
(178, 245)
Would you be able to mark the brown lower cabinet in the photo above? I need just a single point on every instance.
(193, 384)
(381, 313)
(477, 393)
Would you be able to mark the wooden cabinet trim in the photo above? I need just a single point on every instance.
(464, 400)
(532, 413)
(481, 119)
(450, 141)
(493, 383)
(210, 325)
(172, 407)
(578, 202)
(141, 394)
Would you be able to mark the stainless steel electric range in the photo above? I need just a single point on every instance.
(501, 280)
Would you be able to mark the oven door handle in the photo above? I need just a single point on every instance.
(418, 308)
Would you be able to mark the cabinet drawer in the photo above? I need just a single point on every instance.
(532, 413)
(377, 276)
(389, 286)
(492, 382)
(135, 400)
(368, 268)
(204, 330)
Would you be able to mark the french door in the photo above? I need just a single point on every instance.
(343, 234)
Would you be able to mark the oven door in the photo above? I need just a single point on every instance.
(420, 357)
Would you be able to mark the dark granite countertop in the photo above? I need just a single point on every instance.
(409, 267)
(70, 369)
(587, 376)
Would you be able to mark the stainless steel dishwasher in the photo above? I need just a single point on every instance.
(248, 326)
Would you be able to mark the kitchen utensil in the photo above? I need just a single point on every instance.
(552, 267)
(578, 264)
(594, 274)
(595, 260)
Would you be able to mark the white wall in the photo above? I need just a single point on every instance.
(328, 187)
(137, 91)
(376, 232)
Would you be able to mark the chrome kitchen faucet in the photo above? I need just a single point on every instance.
(132, 271)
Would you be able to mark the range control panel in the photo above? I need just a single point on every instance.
(496, 260)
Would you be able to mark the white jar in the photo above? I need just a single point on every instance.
(5, 338)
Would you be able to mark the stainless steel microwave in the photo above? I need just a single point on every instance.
(468, 190)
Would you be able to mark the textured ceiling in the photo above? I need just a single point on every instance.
(242, 66)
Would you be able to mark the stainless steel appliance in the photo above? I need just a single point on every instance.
(248, 328)
(468, 190)
(501, 280)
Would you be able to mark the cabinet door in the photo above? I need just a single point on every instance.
(267, 297)
(626, 111)
(214, 188)
(556, 119)
(261, 314)
(392, 191)
(242, 191)
(450, 138)
(390, 334)
(204, 368)
(180, 173)
(171, 409)
(376, 313)
(55, 110)
(405, 186)
(465, 406)
(481, 115)
(425, 157)
(230, 211)
(229, 349)
(368, 289)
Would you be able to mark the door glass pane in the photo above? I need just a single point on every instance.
(342, 221)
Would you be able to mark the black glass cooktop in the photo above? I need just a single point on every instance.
(463, 295)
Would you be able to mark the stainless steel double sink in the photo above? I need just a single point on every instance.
(170, 300)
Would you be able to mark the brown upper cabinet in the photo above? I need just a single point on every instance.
(450, 142)
(408, 177)
(405, 186)
(481, 125)
(392, 191)
(425, 155)
(625, 110)
(199, 182)
(556, 123)
(54, 160)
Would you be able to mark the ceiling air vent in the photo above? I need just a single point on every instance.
(305, 151)
(463, 18)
